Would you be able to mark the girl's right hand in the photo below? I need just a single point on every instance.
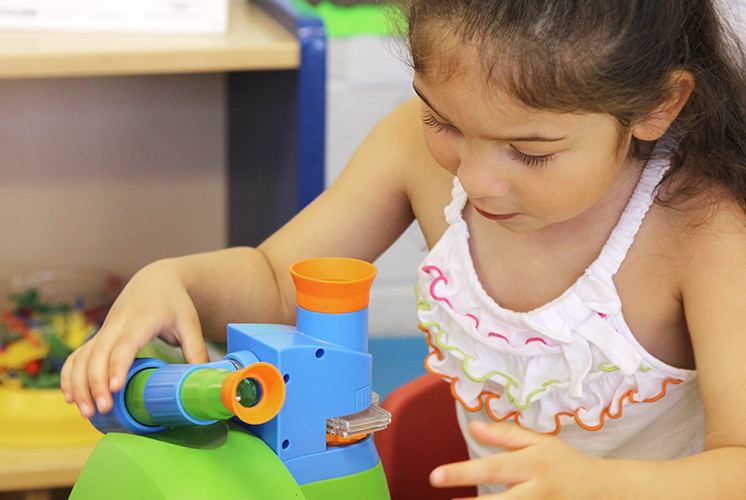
(154, 303)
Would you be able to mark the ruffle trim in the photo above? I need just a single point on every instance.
(485, 396)
(568, 325)
(599, 372)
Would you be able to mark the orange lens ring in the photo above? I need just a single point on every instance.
(273, 393)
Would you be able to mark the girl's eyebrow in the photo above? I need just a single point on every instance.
(528, 138)
(416, 91)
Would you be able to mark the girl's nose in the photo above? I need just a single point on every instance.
(483, 177)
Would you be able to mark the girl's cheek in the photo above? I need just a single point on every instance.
(443, 153)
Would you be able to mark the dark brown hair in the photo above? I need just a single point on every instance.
(607, 56)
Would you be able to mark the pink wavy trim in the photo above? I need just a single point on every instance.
(441, 277)
(537, 339)
(493, 334)
(476, 320)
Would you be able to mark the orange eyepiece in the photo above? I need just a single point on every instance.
(333, 284)
(272, 393)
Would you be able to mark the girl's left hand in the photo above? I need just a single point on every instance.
(534, 467)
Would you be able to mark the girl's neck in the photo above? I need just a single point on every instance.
(602, 217)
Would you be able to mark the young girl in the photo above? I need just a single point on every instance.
(578, 169)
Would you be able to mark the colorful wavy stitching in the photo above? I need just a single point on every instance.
(442, 277)
(486, 396)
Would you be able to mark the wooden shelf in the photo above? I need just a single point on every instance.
(276, 123)
(41, 468)
(254, 41)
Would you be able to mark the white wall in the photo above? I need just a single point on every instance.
(118, 172)
(367, 79)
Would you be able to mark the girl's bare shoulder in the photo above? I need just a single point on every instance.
(709, 213)
(428, 185)
(710, 228)
(685, 240)
(699, 232)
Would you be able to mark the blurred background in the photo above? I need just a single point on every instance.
(111, 173)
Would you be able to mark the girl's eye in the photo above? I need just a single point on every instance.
(438, 126)
(530, 160)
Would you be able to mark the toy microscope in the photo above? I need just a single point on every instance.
(287, 414)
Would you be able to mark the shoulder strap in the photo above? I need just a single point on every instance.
(621, 239)
(458, 202)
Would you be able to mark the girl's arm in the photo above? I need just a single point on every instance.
(359, 216)
(713, 292)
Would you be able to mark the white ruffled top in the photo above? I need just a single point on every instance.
(573, 361)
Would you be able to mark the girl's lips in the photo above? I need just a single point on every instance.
(495, 216)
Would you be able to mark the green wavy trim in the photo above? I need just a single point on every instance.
(422, 304)
(611, 368)
(465, 367)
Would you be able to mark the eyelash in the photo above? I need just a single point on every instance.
(438, 126)
(531, 161)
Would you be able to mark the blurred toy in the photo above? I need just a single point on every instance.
(37, 335)
(300, 404)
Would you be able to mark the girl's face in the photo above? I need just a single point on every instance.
(521, 167)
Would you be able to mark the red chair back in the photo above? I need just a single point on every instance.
(423, 434)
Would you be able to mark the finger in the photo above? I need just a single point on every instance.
(495, 469)
(81, 393)
(108, 342)
(493, 496)
(65, 383)
(98, 375)
(190, 336)
(195, 350)
(524, 491)
(508, 436)
(128, 337)
(120, 362)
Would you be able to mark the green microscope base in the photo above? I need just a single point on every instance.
(221, 461)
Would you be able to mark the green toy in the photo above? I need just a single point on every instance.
(299, 401)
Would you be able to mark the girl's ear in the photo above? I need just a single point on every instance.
(655, 124)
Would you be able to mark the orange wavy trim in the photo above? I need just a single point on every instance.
(663, 391)
(429, 341)
(452, 381)
(485, 397)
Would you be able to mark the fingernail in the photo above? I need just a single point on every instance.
(100, 402)
(113, 383)
(68, 398)
(437, 476)
(85, 410)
